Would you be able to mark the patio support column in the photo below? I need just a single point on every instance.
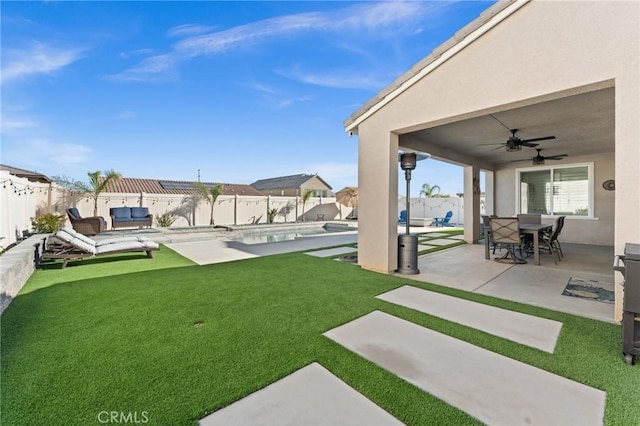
(377, 199)
(471, 204)
(235, 209)
(489, 193)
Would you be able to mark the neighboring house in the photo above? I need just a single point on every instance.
(564, 69)
(178, 187)
(26, 174)
(294, 185)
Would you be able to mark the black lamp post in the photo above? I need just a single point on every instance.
(407, 243)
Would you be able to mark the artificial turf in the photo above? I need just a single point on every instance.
(120, 336)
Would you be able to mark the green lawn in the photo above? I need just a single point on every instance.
(119, 335)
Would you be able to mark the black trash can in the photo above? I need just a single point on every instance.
(631, 300)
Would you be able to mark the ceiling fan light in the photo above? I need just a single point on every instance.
(537, 161)
(513, 148)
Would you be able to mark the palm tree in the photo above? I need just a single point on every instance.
(305, 197)
(97, 185)
(429, 191)
(210, 194)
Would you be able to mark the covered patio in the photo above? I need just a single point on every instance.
(562, 69)
(465, 268)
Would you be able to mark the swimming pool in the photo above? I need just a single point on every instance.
(276, 235)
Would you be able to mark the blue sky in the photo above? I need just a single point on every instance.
(238, 90)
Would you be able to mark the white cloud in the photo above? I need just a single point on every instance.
(125, 115)
(379, 19)
(187, 30)
(342, 79)
(60, 153)
(38, 59)
(11, 124)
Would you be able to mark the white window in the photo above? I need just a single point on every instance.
(556, 190)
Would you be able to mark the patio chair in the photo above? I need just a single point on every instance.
(86, 225)
(403, 217)
(549, 240)
(68, 244)
(443, 221)
(505, 234)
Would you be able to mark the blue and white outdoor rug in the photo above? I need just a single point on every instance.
(600, 291)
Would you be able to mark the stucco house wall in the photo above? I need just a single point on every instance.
(598, 230)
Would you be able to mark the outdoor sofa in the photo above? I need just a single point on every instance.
(130, 217)
(86, 225)
(68, 244)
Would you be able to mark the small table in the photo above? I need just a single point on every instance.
(320, 216)
(525, 228)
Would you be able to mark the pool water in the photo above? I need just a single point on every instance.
(275, 235)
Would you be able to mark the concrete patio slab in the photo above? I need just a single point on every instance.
(542, 286)
(332, 251)
(490, 387)
(449, 268)
(539, 333)
(209, 251)
(310, 396)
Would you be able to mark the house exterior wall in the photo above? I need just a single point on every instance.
(543, 51)
(313, 184)
(598, 230)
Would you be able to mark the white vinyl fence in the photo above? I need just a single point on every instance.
(437, 207)
(22, 200)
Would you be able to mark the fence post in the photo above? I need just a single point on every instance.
(235, 210)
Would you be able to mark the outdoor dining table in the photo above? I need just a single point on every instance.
(525, 228)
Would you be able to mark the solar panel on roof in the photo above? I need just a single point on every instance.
(181, 186)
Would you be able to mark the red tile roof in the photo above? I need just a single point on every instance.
(155, 186)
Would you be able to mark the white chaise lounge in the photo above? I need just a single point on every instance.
(72, 245)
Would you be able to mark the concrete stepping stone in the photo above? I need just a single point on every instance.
(441, 242)
(456, 237)
(539, 333)
(332, 251)
(309, 396)
(433, 235)
(495, 389)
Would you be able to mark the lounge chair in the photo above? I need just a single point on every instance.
(403, 217)
(72, 245)
(86, 225)
(443, 221)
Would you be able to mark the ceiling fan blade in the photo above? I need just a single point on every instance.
(556, 157)
(544, 138)
(486, 144)
(516, 161)
(529, 144)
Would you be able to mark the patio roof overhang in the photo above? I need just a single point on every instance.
(583, 124)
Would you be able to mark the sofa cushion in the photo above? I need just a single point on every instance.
(75, 213)
(121, 213)
(139, 212)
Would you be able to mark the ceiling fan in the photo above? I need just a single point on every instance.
(514, 143)
(539, 158)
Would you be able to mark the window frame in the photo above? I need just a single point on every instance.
(550, 169)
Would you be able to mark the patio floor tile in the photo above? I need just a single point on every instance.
(529, 330)
(490, 387)
(310, 396)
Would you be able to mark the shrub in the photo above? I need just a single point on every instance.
(47, 223)
(271, 215)
(165, 220)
